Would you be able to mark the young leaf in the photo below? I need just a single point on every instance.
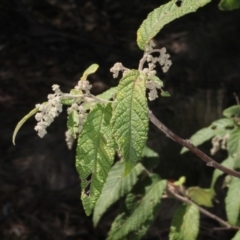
(233, 111)
(229, 163)
(130, 118)
(228, 5)
(90, 70)
(116, 186)
(232, 201)
(165, 93)
(233, 145)
(185, 223)
(107, 95)
(201, 196)
(22, 121)
(161, 16)
(236, 236)
(95, 154)
(142, 215)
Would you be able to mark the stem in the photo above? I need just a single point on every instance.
(186, 143)
(142, 61)
(88, 97)
(203, 211)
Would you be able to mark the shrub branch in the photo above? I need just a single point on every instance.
(186, 143)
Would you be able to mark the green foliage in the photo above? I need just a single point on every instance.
(21, 122)
(233, 111)
(73, 123)
(185, 223)
(228, 5)
(163, 15)
(201, 196)
(237, 236)
(234, 145)
(116, 186)
(95, 154)
(229, 163)
(90, 70)
(138, 212)
(233, 201)
(217, 128)
(130, 118)
(110, 93)
(114, 126)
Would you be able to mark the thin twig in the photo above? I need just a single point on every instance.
(186, 143)
(203, 211)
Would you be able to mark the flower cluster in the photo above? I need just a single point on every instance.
(118, 67)
(84, 85)
(154, 83)
(219, 142)
(48, 111)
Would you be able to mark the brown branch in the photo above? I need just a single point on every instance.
(186, 143)
(203, 211)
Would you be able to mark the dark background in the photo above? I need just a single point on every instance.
(46, 42)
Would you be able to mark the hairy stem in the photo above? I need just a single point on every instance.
(186, 143)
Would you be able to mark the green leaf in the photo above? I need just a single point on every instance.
(150, 158)
(73, 123)
(233, 111)
(90, 70)
(149, 153)
(229, 163)
(201, 196)
(115, 187)
(233, 145)
(200, 137)
(222, 123)
(109, 94)
(228, 5)
(185, 223)
(130, 118)
(217, 128)
(236, 236)
(141, 216)
(21, 122)
(161, 16)
(158, 81)
(180, 181)
(165, 93)
(95, 154)
(232, 201)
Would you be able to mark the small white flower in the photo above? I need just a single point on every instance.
(47, 112)
(69, 139)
